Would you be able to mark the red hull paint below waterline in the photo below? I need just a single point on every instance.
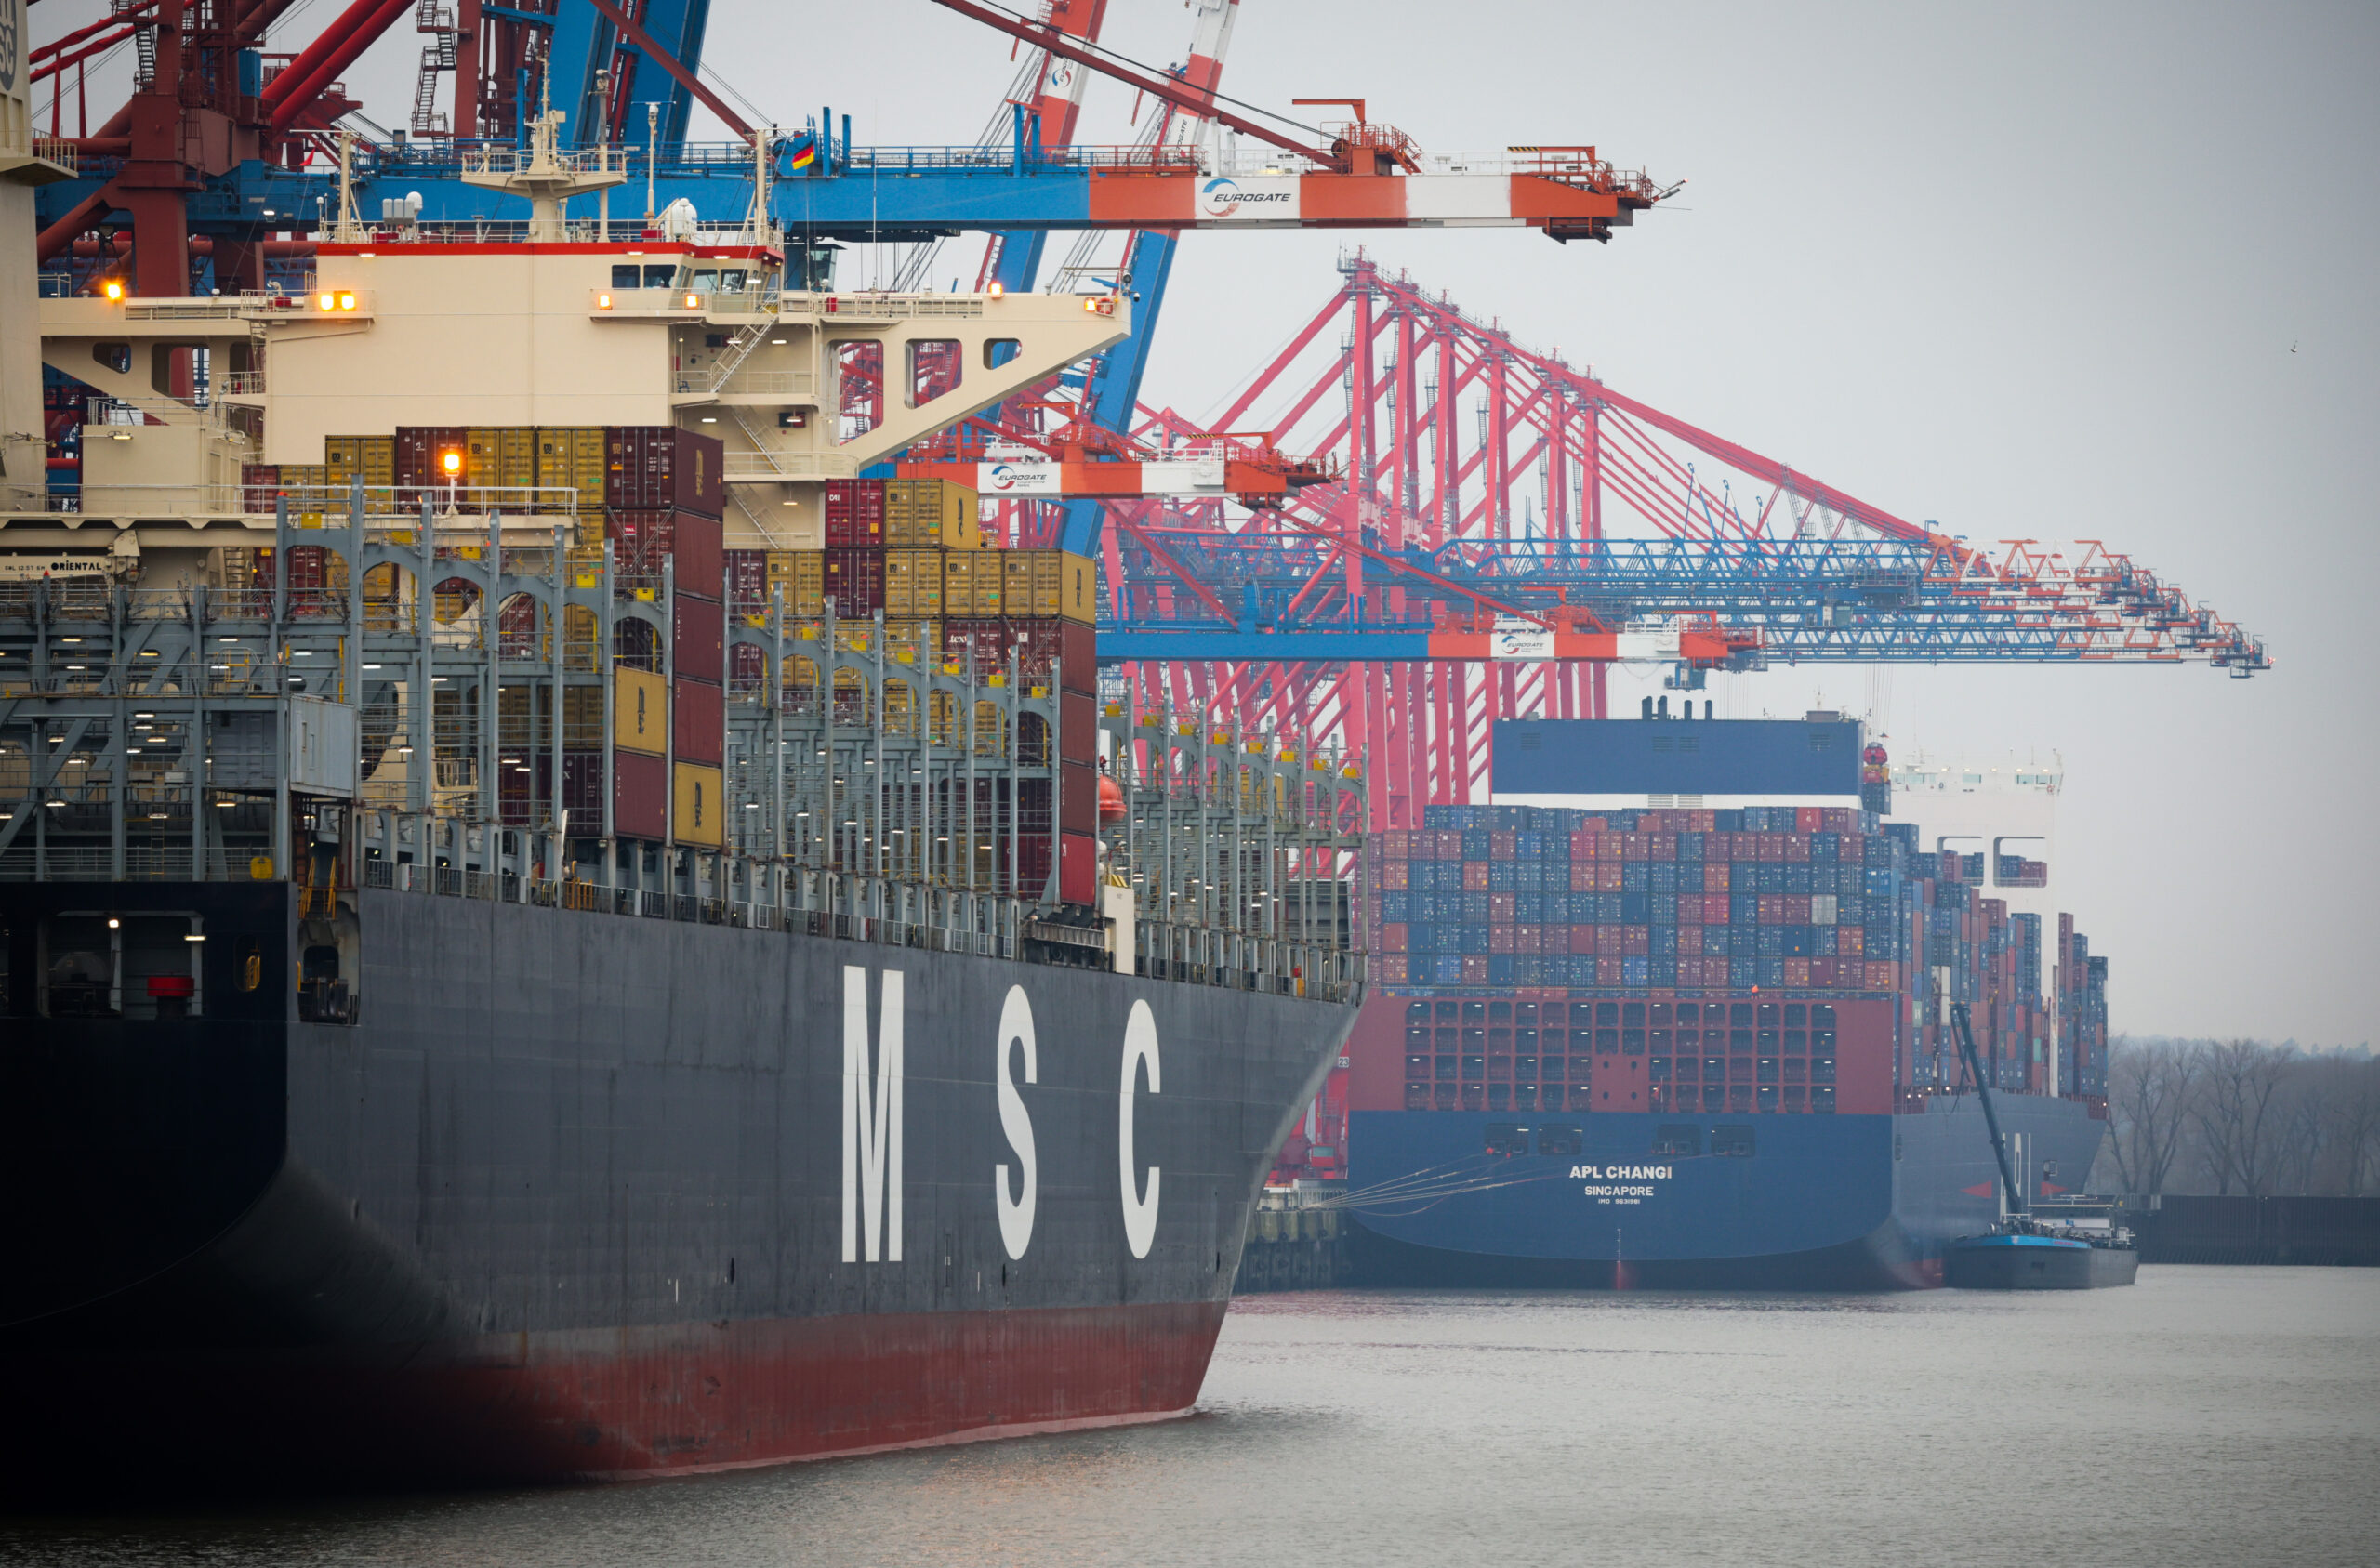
(632, 1403)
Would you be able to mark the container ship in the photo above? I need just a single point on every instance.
(1675, 1010)
(539, 943)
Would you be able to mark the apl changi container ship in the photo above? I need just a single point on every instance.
(1674, 1009)
(531, 950)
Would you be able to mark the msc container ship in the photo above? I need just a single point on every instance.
(536, 944)
(1673, 1011)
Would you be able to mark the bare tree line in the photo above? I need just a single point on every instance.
(2240, 1116)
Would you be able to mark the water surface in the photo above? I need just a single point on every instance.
(2207, 1415)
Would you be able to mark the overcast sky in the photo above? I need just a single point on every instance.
(2054, 271)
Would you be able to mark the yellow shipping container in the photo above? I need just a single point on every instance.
(914, 642)
(640, 711)
(1023, 586)
(922, 513)
(571, 457)
(698, 813)
(1077, 587)
(483, 456)
(913, 582)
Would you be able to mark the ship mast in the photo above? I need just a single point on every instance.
(2016, 1199)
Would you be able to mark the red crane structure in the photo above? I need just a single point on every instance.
(1502, 525)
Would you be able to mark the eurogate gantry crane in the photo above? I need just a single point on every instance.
(1465, 568)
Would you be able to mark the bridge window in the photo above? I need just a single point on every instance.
(1732, 1142)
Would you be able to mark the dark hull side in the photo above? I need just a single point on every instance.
(590, 1196)
(2042, 1268)
(1818, 1203)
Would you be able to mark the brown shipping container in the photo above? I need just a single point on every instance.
(640, 711)
(651, 467)
(1077, 656)
(1077, 726)
(640, 795)
(698, 721)
(420, 452)
(701, 566)
(700, 808)
(1077, 798)
(982, 641)
(698, 633)
(855, 582)
(744, 576)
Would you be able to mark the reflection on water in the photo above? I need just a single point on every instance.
(2216, 1416)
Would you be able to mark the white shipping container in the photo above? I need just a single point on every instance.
(322, 746)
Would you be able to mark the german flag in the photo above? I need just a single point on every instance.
(799, 154)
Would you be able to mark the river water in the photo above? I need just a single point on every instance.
(2207, 1415)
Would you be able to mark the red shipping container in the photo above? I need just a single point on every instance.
(1475, 877)
(259, 487)
(1078, 868)
(1714, 971)
(1715, 875)
(698, 721)
(1689, 910)
(1636, 941)
(1797, 909)
(981, 641)
(1797, 848)
(1396, 876)
(698, 638)
(1582, 876)
(639, 795)
(1822, 971)
(1608, 940)
(1396, 843)
(1499, 938)
(1500, 907)
(1608, 971)
(1582, 939)
(1501, 846)
(1392, 968)
(641, 541)
(855, 583)
(1797, 971)
(1474, 968)
(854, 513)
(1660, 846)
(1391, 938)
(658, 468)
(1809, 819)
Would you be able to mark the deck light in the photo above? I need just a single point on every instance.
(693, 301)
(323, 300)
(114, 288)
(452, 462)
(346, 302)
(602, 302)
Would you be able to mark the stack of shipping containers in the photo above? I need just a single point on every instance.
(1789, 959)
(911, 556)
(655, 493)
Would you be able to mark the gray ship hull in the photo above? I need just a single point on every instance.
(583, 1194)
